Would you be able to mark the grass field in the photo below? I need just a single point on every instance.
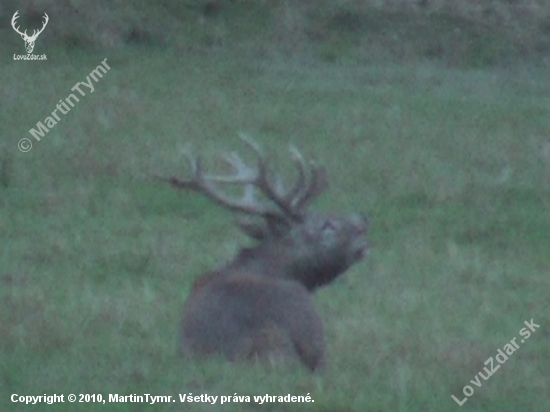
(452, 166)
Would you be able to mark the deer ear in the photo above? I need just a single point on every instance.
(255, 230)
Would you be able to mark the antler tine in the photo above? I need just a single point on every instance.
(195, 165)
(298, 160)
(304, 191)
(244, 173)
(261, 176)
(13, 23)
(317, 185)
(262, 182)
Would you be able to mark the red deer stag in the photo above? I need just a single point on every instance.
(259, 305)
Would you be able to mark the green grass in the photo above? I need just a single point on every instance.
(451, 166)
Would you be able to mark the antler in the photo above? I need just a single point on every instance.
(14, 18)
(46, 20)
(282, 204)
(35, 32)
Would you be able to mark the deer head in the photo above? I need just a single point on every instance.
(292, 242)
(29, 40)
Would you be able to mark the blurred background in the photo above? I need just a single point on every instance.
(467, 33)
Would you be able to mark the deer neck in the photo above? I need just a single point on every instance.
(258, 261)
(277, 261)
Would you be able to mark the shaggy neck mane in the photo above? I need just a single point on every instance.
(275, 260)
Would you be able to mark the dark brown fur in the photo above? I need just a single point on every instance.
(247, 317)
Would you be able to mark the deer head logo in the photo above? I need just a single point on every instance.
(29, 40)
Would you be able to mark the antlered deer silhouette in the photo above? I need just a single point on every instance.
(29, 40)
(259, 305)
